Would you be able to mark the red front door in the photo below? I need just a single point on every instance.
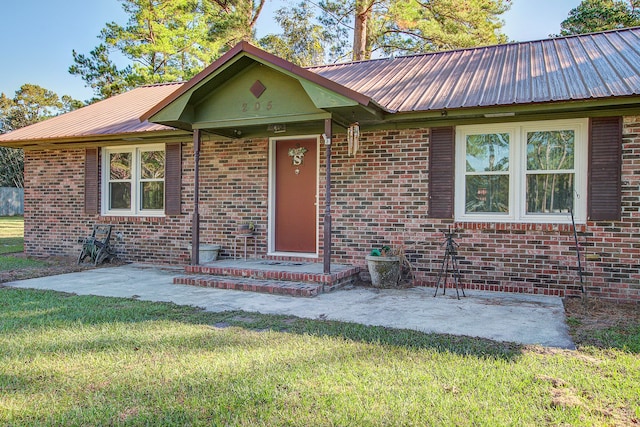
(296, 172)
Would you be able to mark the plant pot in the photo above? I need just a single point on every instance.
(384, 271)
(208, 253)
(244, 229)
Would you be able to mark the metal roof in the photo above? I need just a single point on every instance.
(583, 67)
(119, 115)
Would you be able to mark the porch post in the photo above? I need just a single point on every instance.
(195, 224)
(327, 197)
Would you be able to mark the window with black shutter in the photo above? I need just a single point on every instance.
(91, 184)
(173, 178)
(605, 159)
(441, 172)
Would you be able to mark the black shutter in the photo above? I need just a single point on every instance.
(173, 178)
(91, 181)
(441, 172)
(605, 160)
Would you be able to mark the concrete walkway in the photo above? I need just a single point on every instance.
(525, 319)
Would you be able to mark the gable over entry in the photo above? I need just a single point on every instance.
(249, 93)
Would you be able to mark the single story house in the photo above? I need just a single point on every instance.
(510, 145)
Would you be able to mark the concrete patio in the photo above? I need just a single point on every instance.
(524, 319)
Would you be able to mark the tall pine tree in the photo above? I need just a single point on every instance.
(165, 41)
(599, 15)
(392, 27)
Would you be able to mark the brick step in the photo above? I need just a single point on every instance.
(346, 274)
(279, 287)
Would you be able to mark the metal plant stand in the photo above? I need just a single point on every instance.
(450, 266)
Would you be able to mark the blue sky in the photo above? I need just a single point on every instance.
(39, 35)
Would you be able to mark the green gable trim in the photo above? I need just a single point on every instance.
(224, 99)
(325, 98)
(234, 101)
(239, 123)
(177, 111)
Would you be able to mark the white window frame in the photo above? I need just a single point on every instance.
(136, 180)
(518, 171)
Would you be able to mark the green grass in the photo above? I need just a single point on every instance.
(626, 338)
(12, 241)
(11, 234)
(80, 360)
(8, 262)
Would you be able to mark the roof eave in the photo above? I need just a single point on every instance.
(629, 105)
(87, 140)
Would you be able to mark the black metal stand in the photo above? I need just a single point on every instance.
(449, 266)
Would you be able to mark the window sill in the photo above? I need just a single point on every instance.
(133, 218)
(519, 226)
(156, 214)
(555, 219)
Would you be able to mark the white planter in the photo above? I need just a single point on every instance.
(208, 253)
(384, 271)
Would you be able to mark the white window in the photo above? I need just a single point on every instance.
(522, 172)
(133, 180)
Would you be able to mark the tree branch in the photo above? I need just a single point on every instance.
(257, 14)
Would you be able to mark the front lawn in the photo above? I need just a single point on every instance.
(11, 234)
(12, 245)
(80, 360)
(14, 265)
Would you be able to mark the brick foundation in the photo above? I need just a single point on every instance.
(380, 196)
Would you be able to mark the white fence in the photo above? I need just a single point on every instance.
(11, 201)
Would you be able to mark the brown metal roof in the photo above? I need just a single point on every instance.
(591, 66)
(116, 115)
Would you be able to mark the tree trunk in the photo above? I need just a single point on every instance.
(363, 13)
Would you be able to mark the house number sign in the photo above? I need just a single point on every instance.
(257, 106)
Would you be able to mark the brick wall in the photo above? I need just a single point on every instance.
(55, 218)
(380, 196)
(233, 190)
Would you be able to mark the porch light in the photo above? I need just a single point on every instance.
(279, 128)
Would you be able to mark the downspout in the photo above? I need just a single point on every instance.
(195, 224)
(327, 197)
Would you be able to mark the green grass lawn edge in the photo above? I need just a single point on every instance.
(83, 360)
(11, 234)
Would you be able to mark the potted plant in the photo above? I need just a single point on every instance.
(246, 228)
(384, 267)
(208, 253)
